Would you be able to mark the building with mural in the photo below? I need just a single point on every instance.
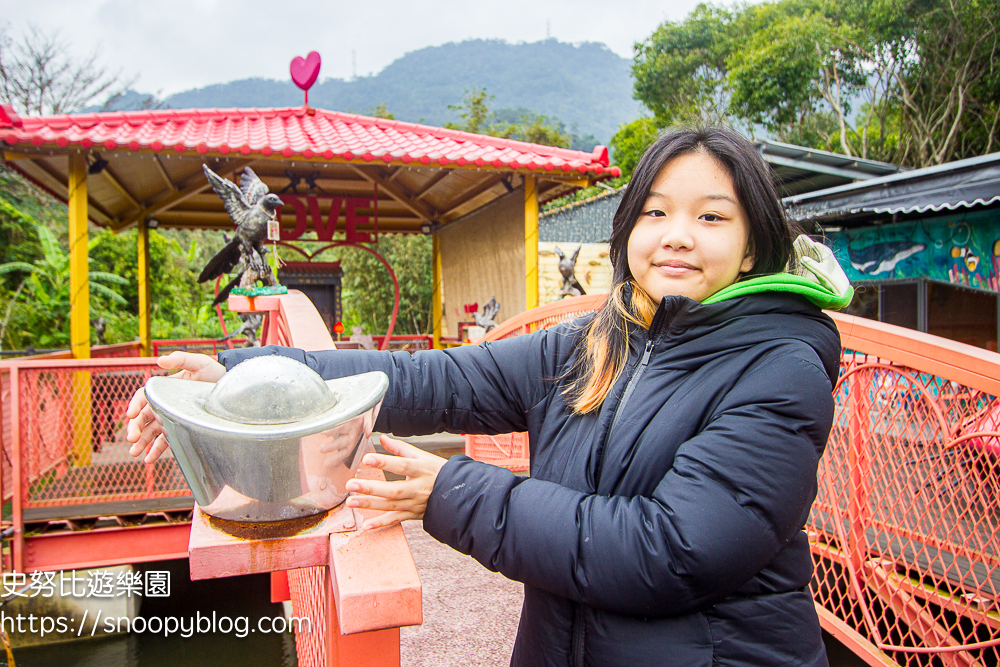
(922, 247)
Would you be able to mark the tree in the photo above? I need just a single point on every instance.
(520, 124)
(680, 70)
(39, 76)
(367, 289)
(46, 286)
(474, 111)
(630, 142)
(916, 82)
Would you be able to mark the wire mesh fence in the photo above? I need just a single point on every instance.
(507, 450)
(308, 589)
(64, 431)
(904, 530)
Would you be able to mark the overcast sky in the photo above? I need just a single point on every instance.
(175, 45)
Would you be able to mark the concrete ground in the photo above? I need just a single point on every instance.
(470, 613)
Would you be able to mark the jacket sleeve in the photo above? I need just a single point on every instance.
(738, 492)
(484, 389)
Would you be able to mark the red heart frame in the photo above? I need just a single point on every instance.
(305, 70)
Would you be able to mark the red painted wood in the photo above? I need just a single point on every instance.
(279, 586)
(104, 547)
(215, 554)
(375, 581)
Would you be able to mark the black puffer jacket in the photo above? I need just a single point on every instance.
(666, 529)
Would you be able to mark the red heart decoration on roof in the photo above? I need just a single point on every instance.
(305, 70)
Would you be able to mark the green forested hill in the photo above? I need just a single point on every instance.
(586, 86)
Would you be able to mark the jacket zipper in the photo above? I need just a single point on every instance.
(630, 387)
(579, 626)
(640, 368)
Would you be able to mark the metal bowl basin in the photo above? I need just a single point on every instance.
(287, 468)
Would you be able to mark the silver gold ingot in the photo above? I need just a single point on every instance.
(270, 441)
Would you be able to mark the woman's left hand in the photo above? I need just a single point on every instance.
(401, 500)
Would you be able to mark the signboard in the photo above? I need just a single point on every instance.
(962, 249)
(306, 208)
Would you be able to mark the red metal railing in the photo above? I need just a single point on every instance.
(64, 445)
(905, 526)
(410, 343)
(204, 345)
(905, 530)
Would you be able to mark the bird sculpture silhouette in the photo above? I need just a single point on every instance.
(250, 206)
(567, 268)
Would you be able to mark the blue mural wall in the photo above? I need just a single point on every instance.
(961, 248)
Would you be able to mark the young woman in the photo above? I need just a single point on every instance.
(674, 435)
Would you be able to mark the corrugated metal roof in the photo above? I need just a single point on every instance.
(587, 221)
(969, 183)
(799, 169)
(294, 132)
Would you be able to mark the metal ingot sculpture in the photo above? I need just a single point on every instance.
(271, 441)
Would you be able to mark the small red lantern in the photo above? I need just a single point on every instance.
(338, 328)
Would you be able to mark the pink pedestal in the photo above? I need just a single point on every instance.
(370, 585)
(213, 553)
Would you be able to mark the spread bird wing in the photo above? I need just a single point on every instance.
(224, 292)
(491, 309)
(222, 262)
(236, 205)
(252, 187)
(576, 253)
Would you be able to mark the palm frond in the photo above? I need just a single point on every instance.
(108, 277)
(98, 288)
(16, 266)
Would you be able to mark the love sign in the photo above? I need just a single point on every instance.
(307, 207)
(305, 70)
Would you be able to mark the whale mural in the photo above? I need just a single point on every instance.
(960, 249)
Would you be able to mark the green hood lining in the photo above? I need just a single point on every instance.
(785, 282)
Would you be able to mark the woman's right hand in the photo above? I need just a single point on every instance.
(144, 429)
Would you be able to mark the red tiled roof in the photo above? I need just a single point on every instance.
(312, 133)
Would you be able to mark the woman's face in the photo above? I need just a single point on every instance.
(691, 238)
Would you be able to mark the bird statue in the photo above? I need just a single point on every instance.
(567, 267)
(251, 207)
(490, 310)
(251, 323)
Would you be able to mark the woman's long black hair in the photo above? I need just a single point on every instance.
(605, 340)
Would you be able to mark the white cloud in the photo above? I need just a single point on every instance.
(175, 45)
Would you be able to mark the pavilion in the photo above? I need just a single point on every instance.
(477, 195)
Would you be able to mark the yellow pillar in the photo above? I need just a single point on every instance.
(79, 314)
(530, 242)
(79, 286)
(145, 332)
(437, 298)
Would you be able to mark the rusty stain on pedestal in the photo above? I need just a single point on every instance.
(374, 580)
(214, 553)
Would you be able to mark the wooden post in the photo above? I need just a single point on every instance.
(530, 242)
(437, 298)
(145, 332)
(79, 313)
(79, 285)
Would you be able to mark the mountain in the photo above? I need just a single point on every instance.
(586, 86)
